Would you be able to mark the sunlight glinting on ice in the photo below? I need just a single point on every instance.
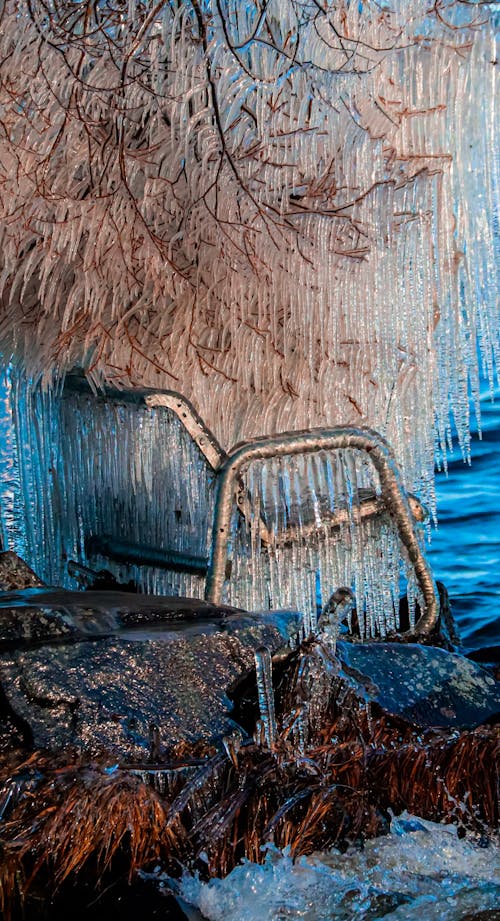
(291, 237)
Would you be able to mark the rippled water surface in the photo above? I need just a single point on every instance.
(465, 549)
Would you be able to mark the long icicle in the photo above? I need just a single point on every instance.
(265, 692)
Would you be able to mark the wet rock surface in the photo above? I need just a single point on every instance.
(15, 573)
(135, 675)
(129, 699)
(95, 671)
(422, 684)
(41, 614)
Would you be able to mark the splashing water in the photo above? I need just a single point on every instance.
(420, 869)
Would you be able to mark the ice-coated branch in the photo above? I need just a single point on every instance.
(286, 210)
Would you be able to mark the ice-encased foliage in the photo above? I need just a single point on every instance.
(285, 210)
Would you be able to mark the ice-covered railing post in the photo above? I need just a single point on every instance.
(334, 439)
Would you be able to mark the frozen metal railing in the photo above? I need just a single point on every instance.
(168, 399)
(230, 490)
(323, 439)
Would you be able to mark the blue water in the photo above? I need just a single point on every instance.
(465, 548)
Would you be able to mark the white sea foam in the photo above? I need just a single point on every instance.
(421, 870)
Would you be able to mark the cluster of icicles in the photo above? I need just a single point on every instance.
(306, 535)
(314, 673)
(83, 471)
(286, 212)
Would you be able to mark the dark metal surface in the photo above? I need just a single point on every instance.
(126, 551)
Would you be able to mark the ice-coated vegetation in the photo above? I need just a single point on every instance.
(285, 210)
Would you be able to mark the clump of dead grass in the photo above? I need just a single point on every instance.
(76, 820)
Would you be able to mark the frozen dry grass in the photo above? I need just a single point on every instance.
(75, 821)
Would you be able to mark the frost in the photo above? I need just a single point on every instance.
(287, 215)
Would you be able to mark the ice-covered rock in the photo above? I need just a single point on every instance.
(95, 671)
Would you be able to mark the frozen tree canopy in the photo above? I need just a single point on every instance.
(283, 209)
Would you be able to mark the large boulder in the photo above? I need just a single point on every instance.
(424, 685)
(129, 675)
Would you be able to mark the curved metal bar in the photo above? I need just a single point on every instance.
(370, 507)
(307, 442)
(192, 422)
(169, 399)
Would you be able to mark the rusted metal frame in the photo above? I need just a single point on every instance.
(206, 442)
(153, 399)
(308, 442)
(229, 467)
(368, 508)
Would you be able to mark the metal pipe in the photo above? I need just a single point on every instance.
(308, 442)
(205, 440)
(126, 551)
(370, 507)
(192, 422)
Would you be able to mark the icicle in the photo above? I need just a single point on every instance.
(264, 674)
(330, 259)
(338, 608)
(264, 286)
(232, 746)
(326, 528)
(95, 468)
(300, 730)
